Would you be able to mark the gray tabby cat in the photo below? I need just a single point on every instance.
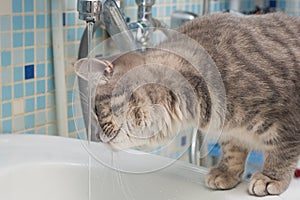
(258, 58)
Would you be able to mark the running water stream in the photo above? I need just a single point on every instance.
(90, 26)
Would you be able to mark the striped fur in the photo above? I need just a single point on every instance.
(258, 58)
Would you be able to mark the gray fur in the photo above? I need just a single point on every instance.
(258, 58)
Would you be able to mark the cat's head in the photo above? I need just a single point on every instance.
(131, 109)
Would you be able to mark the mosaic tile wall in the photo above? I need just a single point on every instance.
(27, 89)
(26, 83)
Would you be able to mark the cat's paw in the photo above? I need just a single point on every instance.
(219, 180)
(262, 185)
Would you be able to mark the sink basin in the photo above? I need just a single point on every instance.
(36, 167)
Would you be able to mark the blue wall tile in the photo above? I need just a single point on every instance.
(29, 105)
(40, 70)
(50, 70)
(29, 38)
(40, 5)
(70, 96)
(49, 53)
(18, 73)
(41, 118)
(7, 126)
(70, 111)
(6, 93)
(29, 22)
(19, 90)
(71, 126)
(29, 87)
(6, 110)
(50, 84)
(131, 3)
(71, 19)
(6, 58)
(40, 86)
(29, 121)
(41, 102)
(168, 11)
(273, 3)
(17, 39)
(17, 6)
(29, 55)
(40, 21)
(71, 34)
(28, 5)
(154, 11)
(17, 23)
(29, 72)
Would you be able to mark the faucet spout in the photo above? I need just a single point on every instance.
(116, 26)
(145, 11)
(89, 10)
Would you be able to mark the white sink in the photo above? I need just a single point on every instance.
(53, 168)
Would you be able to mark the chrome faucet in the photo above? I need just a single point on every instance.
(145, 10)
(89, 10)
(109, 14)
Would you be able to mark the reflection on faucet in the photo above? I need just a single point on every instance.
(115, 24)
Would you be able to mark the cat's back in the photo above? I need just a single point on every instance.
(258, 58)
(268, 38)
(217, 28)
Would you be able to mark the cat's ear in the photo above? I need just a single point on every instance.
(100, 70)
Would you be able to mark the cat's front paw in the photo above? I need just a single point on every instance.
(262, 185)
(219, 180)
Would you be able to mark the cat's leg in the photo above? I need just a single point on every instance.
(276, 175)
(229, 171)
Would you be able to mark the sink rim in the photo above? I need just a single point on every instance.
(43, 149)
(12, 155)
